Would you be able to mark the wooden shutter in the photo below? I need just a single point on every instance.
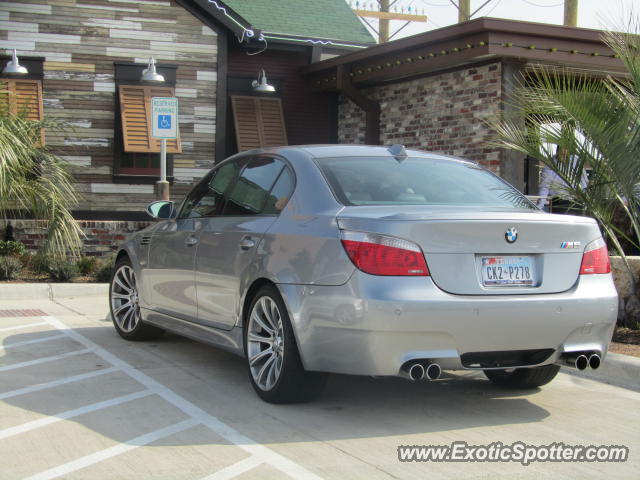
(259, 122)
(135, 114)
(22, 97)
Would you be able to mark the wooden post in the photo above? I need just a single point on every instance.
(383, 28)
(464, 10)
(571, 13)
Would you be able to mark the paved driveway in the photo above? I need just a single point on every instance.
(76, 401)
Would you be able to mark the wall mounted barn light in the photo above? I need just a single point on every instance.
(261, 85)
(149, 74)
(13, 67)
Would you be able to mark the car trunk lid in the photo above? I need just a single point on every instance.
(468, 252)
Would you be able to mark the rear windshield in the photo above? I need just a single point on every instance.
(417, 181)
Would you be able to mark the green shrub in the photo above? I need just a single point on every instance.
(9, 268)
(39, 263)
(105, 268)
(63, 269)
(12, 248)
(87, 265)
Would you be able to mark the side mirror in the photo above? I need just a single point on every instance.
(161, 209)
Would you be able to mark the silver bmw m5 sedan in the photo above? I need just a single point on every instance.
(368, 261)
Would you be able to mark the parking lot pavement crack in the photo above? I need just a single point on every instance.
(66, 307)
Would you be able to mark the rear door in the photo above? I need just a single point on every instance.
(229, 241)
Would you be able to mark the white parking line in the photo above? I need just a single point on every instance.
(29, 342)
(41, 422)
(236, 469)
(56, 383)
(37, 361)
(20, 327)
(119, 449)
(230, 434)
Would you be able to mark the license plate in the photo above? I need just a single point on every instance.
(507, 271)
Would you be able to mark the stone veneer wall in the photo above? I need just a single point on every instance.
(443, 113)
(102, 237)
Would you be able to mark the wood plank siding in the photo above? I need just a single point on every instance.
(81, 40)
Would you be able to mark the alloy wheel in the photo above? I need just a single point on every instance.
(265, 343)
(124, 299)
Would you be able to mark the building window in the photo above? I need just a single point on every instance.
(136, 152)
(22, 97)
(259, 122)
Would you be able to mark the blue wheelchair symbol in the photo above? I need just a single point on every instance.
(164, 122)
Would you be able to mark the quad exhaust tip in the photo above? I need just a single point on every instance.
(594, 361)
(581, 362)
(433, 371)
(416, 372)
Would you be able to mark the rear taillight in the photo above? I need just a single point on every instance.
(595, 258)
(383, 255)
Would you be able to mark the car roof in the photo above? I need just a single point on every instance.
(333, 151)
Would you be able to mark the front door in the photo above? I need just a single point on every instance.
(171, 272)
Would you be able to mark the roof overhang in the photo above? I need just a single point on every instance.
(467, 43)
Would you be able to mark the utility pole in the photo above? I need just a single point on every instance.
(464, 10)
(571, 13)
(383, 24)
(384, 16)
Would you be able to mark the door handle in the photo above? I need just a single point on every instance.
(246, 243)
(191, 241)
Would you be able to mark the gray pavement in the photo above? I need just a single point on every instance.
(76, 401)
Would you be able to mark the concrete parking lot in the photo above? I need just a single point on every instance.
(76, 401)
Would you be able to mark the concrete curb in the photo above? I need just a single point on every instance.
(33, 291)
(616, 369)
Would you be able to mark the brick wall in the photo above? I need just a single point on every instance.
(102, 237)
(444, 113)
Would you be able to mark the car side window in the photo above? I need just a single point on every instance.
(251, 192)
(206, 199)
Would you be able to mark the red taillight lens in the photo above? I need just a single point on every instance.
(595, 259)
(384, 255)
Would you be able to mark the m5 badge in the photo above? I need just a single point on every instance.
(570, 244)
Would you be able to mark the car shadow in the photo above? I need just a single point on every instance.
(216, 381)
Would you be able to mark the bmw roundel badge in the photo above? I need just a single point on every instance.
(511, 235)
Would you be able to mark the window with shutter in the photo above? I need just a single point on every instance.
(22, 97)
(135, 114)
(259, 122)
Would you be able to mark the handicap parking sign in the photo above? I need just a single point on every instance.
(164, 121)
(164, 114)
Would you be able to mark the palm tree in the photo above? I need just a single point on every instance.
(35, 180)
(594, 122)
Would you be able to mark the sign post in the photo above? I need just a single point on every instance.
(164, 118)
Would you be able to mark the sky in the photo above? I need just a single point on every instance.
(599, 14)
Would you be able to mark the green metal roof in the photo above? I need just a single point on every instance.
(330, 19)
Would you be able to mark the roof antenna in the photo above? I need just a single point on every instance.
(398, 151)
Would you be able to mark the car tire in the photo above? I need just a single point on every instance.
(523, 377)
(278, 375)
(124, 307)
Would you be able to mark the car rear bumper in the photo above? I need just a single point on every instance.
(373, 325)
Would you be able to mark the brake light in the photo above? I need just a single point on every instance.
(384, 255)
(595, 258)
